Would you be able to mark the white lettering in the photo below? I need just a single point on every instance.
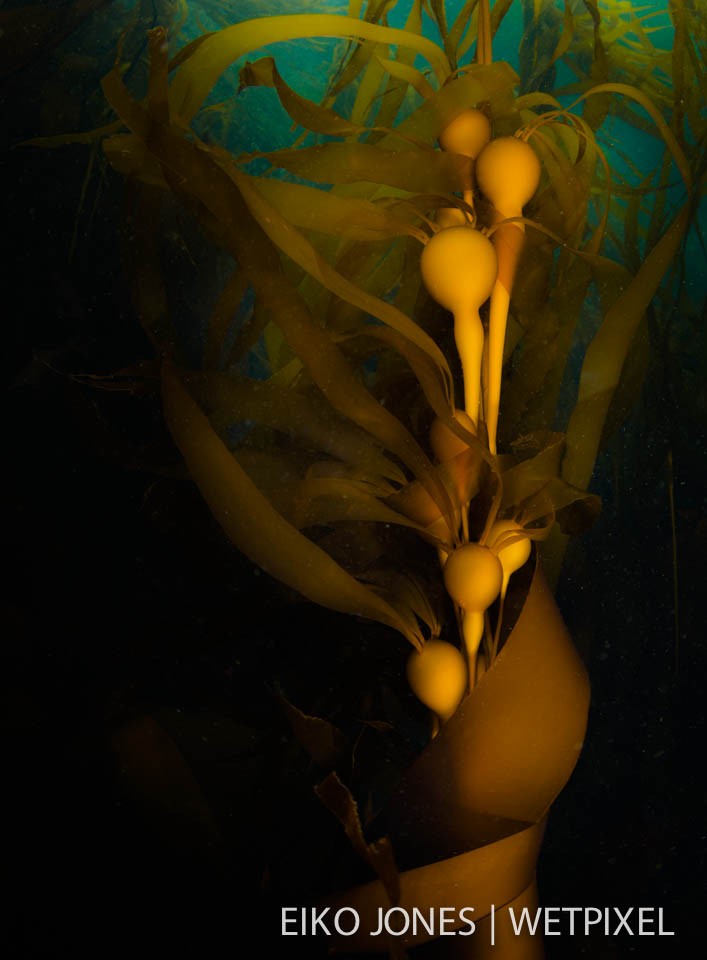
(288, 920)
(549, 919)
(406, 921)
(644, 920)
(623, 917)
(318, 920)
(525, 920)
(337, 921)
(377, 933)
(467, 921)
(446, 922)
(572, 911)
(426, 923)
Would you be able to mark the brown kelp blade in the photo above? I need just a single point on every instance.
(196, 77)
(331, 213)
(605, 356)
(467, 819)
(254, 525)
(403, 166)
(231, 398)
(305, 113)
(214, 196)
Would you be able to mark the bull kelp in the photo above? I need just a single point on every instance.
(428, 295)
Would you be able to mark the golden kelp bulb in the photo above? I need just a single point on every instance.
(473, 576)
(467, 134)
(451, 217)
(437, 676)
(459, 267)
(508, 173)
(444, 442)
(507, 541)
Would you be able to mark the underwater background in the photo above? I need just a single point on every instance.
(157, 795)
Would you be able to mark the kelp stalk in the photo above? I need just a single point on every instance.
(508, 174)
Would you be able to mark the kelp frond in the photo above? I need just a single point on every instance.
(325, 236)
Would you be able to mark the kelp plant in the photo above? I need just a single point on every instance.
(385, 360)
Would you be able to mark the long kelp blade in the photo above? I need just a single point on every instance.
(328, 500)
(330, 213)
(312, 116)
(405, 168)
(196, 77)
(255, 527)
(231, 399)
(607, 352)
(296, 246)
(205, 187)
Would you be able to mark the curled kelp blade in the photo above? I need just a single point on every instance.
(632, 93)
(403, 166)
(298, 248)
(330, 501)
(320, 738)
(541, 460)
(305, 113)
(195, 77)
(493, 85)
(436, 388)
(230, 399)
(605, 356)
(339, 800)
(221, 319)
(358, 64)
(331, 213)
(467, 818)
(329, 478)
(255, 527)
(574, 510)
(410, 592)
(414, 78)
(215, 198)
(520, 731)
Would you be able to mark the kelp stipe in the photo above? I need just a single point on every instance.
(342, 320)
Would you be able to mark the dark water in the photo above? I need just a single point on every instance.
(124, 603)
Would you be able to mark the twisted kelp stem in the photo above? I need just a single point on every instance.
(467, 819)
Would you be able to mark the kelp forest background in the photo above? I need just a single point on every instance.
(156, 684)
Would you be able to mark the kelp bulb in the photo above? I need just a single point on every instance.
(516, 550)
(437, 676)
(459, 268)
(473, 576)
(451, 217)
(444, 442)
(467, 134)
(508, 174)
